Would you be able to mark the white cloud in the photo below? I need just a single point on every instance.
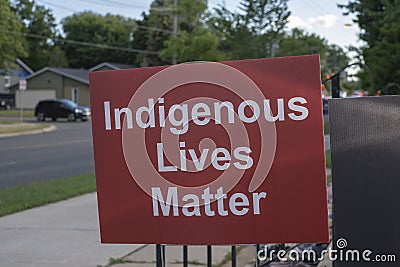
(325, 21)
(297, 22)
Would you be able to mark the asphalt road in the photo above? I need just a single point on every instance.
(57, 154)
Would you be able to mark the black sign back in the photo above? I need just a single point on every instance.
(365, 147)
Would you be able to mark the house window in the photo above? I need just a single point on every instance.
(7, 81)
(75, 94)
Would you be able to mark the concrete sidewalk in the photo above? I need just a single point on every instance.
(327, 142)
(61, 234)
(66, 234)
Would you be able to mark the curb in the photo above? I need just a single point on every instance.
(45, 130)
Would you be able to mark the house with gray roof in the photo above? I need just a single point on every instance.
(50, 82)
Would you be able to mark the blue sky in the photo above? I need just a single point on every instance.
(321, 17)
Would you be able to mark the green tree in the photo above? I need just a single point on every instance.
(108, 30)
(58, 58)
(190, 13)
(40, 27)
(11, 40)
(260, 24)
(380, 26)
(299, 42)
(336, 58)
(231, 32)
(266, 19)
(197, 45)
(140, 40)
(194, 41)
(152, 31)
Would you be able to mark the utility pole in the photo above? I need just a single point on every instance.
(175, 30)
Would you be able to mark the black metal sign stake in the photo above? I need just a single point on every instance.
(209, 256)
(185, 256)
(233, 256)
(159, 257)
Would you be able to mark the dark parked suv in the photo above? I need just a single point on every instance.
(60, 108)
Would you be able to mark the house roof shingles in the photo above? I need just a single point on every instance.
(113, 66)
(81, 75)
(76, 74)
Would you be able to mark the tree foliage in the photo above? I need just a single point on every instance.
(194, 42)
(190, 14)
(58, 58)
(231, 31)
(108, 30)
(197, 45)
(261, 24)
(257, 30)
(266, 19)
(12, 43)
(40, 28)
(380, 27)
(300, 43)
(154, 29)
(140, 41)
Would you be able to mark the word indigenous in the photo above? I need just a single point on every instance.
(179, 115)
(177, 118)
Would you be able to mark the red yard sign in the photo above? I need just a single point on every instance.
(211, 153)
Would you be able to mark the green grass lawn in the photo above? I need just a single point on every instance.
(28, 196)
(28, 113)
(326, 127)
(328, 159)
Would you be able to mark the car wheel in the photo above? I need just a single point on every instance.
(54, 118)
(83, 119)
(40, 116)
(71, 117)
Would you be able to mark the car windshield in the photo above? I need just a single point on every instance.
(69, 103)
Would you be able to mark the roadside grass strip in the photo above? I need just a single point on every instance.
(8, 122)
(12, 127)
(22, 197)
(16, 113)
(328, 159)
(326, 127)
